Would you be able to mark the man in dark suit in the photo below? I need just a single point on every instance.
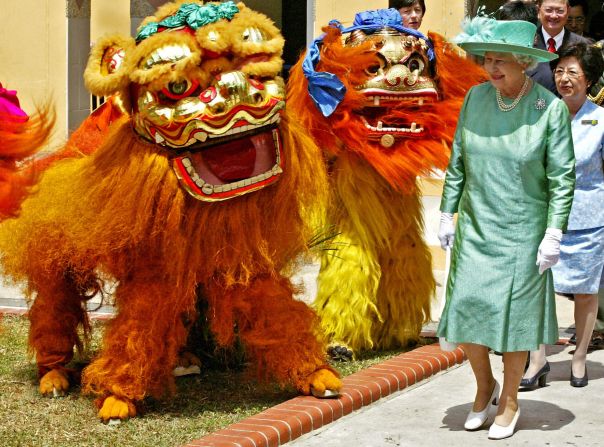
(551, 36)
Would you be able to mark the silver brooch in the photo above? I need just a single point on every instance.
(540, 104)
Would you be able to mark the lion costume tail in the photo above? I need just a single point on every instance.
(20, 138)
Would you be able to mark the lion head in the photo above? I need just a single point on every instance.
(385, 93)
(202, 81)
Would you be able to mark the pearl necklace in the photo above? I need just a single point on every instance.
(506, 108)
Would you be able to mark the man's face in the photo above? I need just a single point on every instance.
(553, 15)
(576, 20)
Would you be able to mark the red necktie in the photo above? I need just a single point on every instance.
(551, 45)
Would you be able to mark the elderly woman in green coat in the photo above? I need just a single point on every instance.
(510, 179)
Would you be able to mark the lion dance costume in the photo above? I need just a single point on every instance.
(383, 106)
(199, 190)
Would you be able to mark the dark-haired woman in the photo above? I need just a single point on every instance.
(581, 265)
(412, 12)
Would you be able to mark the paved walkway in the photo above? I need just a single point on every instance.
(433, 412)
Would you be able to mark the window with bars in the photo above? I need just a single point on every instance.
(96, 102)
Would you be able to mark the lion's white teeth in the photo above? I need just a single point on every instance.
(376, 100)
(158, 138)
(201, 136)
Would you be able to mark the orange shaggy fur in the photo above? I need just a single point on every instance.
(121, 213)
(88, 137)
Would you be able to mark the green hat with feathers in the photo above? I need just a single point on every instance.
(483, 34)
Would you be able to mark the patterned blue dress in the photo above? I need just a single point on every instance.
(582, 249)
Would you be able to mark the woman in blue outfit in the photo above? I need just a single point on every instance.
(510, 178)
(580, 270)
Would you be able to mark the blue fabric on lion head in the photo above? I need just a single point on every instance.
(326, 89)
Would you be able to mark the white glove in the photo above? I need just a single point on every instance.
(446, 230)
(549, 249)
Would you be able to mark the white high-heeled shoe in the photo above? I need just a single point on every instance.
(501, 432)
(476, 419)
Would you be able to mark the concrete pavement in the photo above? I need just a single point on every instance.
(433, 412)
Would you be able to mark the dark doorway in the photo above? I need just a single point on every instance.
(294, 32)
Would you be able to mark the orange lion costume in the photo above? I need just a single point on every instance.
(383, 106)
(200, 190)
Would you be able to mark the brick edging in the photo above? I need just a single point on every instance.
(12, 310)
(22, 311)
(303, 414)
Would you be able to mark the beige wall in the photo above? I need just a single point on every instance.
(442, 16)
(343, 10)
(109, 17)
(33, 54)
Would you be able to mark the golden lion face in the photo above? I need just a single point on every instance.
(223, 126)
(210, 95)
(402, 79)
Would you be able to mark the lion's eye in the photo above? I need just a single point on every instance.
(178, 88)
(415, 63)
(253, 34)
(375, 69)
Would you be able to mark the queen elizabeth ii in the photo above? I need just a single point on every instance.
(510, 179)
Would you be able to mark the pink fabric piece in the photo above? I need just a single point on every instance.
(9, 104)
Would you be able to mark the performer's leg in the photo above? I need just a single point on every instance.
(57, 311)
(277, 331)
(407, 284)
(140, 346)
(346, 295)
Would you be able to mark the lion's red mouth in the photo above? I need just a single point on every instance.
(232, 168)
(232, 161)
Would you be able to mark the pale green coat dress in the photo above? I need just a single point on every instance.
(511, 175)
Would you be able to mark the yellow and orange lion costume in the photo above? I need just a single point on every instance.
(383, 106)
(199, 191)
